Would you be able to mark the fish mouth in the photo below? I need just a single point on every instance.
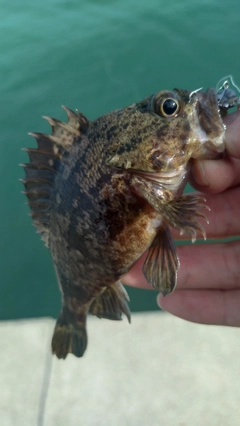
(210, 129)
(209, 112)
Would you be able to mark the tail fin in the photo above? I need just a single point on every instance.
(69, 336)
(111, 303)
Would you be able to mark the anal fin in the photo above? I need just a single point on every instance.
(161, 265)
(111, 303)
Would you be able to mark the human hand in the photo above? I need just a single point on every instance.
(208, 285)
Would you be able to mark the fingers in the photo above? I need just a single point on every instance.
(216, 307)
(233, 134)
(215, 176)
(223, 216)
(207, 292)
(202, 266)
(209, 266)
(211, 176)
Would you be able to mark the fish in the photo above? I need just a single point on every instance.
(103, 192)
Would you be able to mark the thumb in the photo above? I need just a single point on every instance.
(232, 122)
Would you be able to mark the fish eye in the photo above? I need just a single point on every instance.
(167, 106)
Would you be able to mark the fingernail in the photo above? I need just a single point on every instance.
(199, 174)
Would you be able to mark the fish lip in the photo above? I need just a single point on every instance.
(208, 100)
(210, 127)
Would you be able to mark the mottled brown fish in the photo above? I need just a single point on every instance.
(104, 191)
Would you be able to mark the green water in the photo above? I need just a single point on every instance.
(94, 56)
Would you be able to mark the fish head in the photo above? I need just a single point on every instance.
(163, 132)
(208, 130)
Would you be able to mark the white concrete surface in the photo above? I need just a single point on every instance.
(159, 371)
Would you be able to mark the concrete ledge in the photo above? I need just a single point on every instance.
(158, 371)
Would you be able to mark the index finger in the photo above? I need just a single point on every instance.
(196, 271)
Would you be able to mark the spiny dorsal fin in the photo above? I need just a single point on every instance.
(44, 165)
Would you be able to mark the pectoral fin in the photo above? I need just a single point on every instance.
(183, 213)
(161, 265)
